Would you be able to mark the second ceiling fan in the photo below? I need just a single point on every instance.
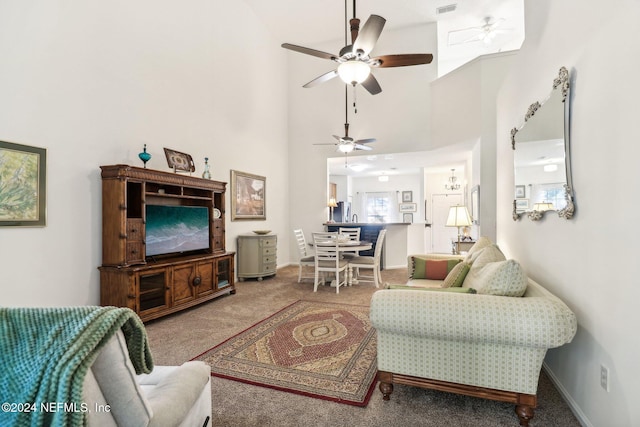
(354, 59)
(347, 144)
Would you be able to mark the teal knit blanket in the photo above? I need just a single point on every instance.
(45, 354)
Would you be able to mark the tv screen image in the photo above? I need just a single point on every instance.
(174, 229)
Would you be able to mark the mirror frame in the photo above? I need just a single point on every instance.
(562, 83)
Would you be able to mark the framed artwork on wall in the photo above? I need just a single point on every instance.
(407, 196)
(520, 191)
(407, 207)
(23, 189)
(407, 218)
(248, 196)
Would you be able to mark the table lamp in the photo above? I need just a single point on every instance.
(458, 217)
(332, 204)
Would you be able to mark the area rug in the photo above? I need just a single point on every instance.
(317, 349)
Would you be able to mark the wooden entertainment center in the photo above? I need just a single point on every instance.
(154, 286)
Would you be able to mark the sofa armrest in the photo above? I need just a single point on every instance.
(530, 322)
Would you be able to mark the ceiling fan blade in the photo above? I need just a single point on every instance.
(326, 143)
(371, 85)
(323, 78)
(362, 147)
(337, 137)
(402, 60)
(365, 141)
(308, 51)
(369, 35)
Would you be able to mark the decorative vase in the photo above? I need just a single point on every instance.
(144, 156)
(206, 174)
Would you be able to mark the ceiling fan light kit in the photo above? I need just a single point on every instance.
(353, 72)
(354, 60)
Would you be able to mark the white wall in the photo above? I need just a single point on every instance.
(589, 261)
(92, 83)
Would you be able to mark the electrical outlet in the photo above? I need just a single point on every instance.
(604, 377)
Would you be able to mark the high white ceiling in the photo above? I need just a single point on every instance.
(311, 23)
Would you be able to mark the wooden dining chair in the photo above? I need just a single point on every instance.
(367, 262)
(354, 234)
(306, 259)
(328, 260)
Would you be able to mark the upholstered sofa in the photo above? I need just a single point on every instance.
(469, 338)
(167, 396)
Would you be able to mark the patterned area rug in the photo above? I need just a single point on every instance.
(322, 350)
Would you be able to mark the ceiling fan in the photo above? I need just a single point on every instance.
(347, 144)
(354, 60)
(484, 33)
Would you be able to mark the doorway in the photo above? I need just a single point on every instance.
(441, 235)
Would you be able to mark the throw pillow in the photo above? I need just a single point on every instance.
(491, 253)
(456, 276)
(503, 278)
(481, 243)
(434, 269)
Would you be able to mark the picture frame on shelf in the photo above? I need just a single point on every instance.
(248, 196)
(407, 196)
(407, 207)
(23, 173)
(179, 161)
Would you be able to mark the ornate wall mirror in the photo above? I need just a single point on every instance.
(541, 160)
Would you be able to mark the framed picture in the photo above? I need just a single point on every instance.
(407, 196)
(407, 207)
(407, 218)
(520, 192)
(475, 204)
(522, 205)
(247, 196)
(179, 161)
(23, 185)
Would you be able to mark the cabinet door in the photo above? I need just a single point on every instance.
(224, 272)
(153, 290)
(204, 280)
(183, 276)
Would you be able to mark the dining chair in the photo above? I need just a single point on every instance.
(306, 259)
(328, 260)
(354, 234)
(363, 262)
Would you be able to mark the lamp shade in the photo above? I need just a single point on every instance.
(458, 217)
(332, 203)
(353, 71)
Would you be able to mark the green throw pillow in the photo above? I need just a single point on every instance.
(456, 276)
(420, 288)
(434, 269)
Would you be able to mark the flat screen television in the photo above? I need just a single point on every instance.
(176, 229)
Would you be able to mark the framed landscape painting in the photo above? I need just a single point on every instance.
(248, 196)
(22, 185)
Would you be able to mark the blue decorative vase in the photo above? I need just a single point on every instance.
(144, 156)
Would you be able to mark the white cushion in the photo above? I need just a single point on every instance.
(172, 391)
(481, 243)
(366, 260)
(117, 379)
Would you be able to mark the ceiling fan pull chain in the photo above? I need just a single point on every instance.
(355, 106)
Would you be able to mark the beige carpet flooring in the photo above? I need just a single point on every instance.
(182, 336)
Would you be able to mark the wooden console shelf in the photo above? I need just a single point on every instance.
(154, 286)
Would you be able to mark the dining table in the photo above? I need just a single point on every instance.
(347, 246)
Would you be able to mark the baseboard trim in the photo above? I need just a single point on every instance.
(575, 408)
